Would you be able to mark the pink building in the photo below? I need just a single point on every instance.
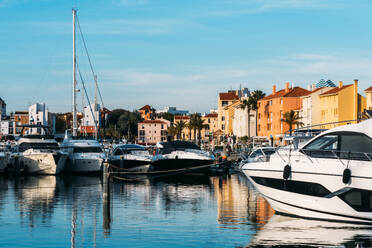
(152, 131)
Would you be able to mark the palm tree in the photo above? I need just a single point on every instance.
(199, 124)
(171, 131)
(193, 123)
(179, 126)
(255, 96)
(190, 127)
(247, 104)
(291, 118)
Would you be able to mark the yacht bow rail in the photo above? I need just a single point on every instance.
(332, 154)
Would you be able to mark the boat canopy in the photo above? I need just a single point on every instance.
(129, 147)
(176, 145)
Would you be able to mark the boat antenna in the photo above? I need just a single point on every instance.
(74, 113)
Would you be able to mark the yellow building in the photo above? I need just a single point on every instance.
(229, 112)
(341, 104)
(206, 133)
(368, 98)
(224, 100)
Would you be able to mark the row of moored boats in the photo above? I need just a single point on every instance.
(42, 154)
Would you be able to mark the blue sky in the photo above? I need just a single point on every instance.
(179, 53)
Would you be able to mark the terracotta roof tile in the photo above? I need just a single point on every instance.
(368, 89)
(153, 122)
(293, 92)
(334, 90)
(181, 117)
(215, 115)
(229, 96)
(146, 107)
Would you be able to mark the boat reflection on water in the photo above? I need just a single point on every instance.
(284, 231)
(238, 202)
(36, 198)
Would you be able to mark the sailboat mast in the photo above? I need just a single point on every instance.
(74, 113)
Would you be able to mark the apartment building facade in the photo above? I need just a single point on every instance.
(272, 108)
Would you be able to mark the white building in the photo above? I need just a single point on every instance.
(6, 127)
(173, 111)
(2, 109)
(39, 115)
(310, 111)
(91, 115)
(240, 122)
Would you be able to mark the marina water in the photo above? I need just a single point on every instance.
(217, 211)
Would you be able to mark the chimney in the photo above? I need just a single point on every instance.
(309, 87)
(286, 87)
(312, 87)
(340, 84)
(274, 89)
(355, 81)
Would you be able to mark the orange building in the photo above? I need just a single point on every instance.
(147, 112)
(272, 107)
(20, 118)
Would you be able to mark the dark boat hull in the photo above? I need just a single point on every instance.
(175, 164)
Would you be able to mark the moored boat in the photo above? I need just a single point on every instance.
(39, 154)
(84, 155)
(180, 155)
(131, 157)
(329, 177)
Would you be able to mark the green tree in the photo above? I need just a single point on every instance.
(61, 124)
(167, 116)
(128, 124)
(256, 96)
(292, 118)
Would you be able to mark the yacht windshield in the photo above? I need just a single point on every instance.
(39, 146)
(92, 149)
(346, 145)
(326, 142)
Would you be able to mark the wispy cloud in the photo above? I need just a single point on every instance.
(4, 3)
(261, 6)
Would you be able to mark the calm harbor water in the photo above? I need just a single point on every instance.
(70, 211)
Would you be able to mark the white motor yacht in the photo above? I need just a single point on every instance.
(180, 155)
(39, 154)
(84, 155)
(329, 177)
(131, 157)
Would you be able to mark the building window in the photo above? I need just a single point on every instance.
(224, 103)
(281, 100)
(223, 118)
(270, 103)
(162, 126)
(223, 127)
(268, 127)
(259, 128)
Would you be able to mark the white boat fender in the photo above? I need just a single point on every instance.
(287, 172)
(346, 176)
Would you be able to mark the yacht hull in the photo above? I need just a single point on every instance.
(43, 163)
(314, 194)
(131, 165)
(174, 164)
(84, 165)
(3, 163)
